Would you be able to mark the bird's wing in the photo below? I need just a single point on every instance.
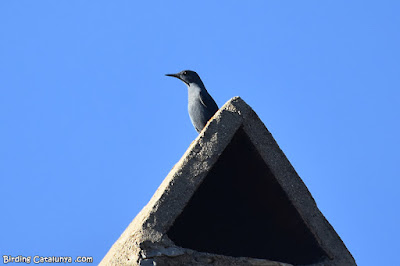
(206, 98)
(202, 100)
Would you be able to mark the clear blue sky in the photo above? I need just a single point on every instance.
(90, 126)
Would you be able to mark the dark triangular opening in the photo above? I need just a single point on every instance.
(240, 210)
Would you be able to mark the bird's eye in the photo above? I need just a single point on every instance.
(184, 73)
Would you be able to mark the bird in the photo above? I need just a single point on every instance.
(201, 105)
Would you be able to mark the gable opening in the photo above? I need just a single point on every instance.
(240, 210)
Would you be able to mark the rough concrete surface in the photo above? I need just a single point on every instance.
(146, 241)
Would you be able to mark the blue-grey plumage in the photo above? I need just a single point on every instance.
(201, 105)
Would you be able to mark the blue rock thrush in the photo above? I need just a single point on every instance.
(201, 105)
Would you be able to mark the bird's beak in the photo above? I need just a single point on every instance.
(173, 75)
(178, 77)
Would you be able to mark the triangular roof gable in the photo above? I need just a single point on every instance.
(280, 221)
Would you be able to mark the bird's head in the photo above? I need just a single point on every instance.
(187, 76)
